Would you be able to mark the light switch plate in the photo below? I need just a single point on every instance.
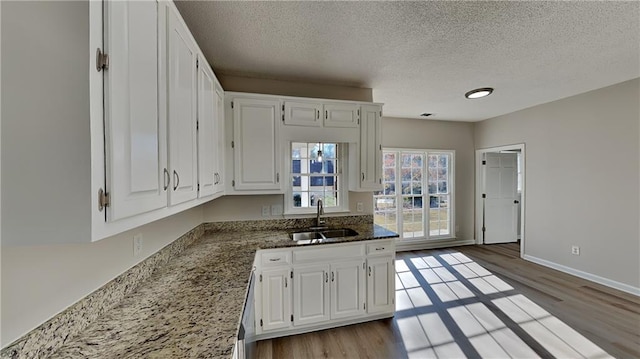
(359, 207)
(265, 211)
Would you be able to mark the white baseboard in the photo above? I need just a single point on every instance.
(432, 244)
(585, 275)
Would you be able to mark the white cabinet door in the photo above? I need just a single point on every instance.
(276, 299)
(256, 146)
(380, 285)
(310, 294)
(181, 63)
(347, 289)
(302, 113)
(135, 139)
(370, 148)
(341, 115)
(207, 112)
(218, 174)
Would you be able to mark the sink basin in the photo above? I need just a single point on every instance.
(303, 236)
(318, 236)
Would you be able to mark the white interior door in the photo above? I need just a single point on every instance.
(501, 202)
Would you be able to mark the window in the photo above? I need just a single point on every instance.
(315, 174)
(400, 206)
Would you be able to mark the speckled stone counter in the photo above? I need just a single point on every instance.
(191, 307)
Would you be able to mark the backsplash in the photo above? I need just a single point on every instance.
(283, 224)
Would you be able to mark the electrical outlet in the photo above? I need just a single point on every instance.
(575, 250)
(137, 244)
(265, 211)
(359, 207)
(276, 210)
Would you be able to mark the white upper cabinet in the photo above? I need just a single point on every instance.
(207, 131)
(136, 139)
(181, 85)
(218, 174)
(341, 115)
(302, 113)
(366, 157)
(256, 146)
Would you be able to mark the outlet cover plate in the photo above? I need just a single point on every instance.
(137, 244)
(265, 211)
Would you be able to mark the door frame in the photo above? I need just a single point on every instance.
(479, 183)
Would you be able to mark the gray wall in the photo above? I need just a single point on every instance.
(582, 175)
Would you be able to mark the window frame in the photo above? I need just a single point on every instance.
(340, 174)
(425, 195)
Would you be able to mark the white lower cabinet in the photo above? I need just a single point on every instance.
(326, 286)
(276, 299)
(311, 294)
(347, 289)
(380, 284)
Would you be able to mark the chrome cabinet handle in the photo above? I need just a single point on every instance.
(363, 176)
(369, 271)
(176, 178)
(380, 249)
(274, 259)
(167, 179)
(326, 277)
(317, 114)
(285, 282)
(332, 276)
(277, 177)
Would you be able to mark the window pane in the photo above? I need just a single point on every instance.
(296, 181)
(406, 187)
(416, 161)
(442, 187)
(389, 188)
(444, 160)
(406, 160)
(297, 199)
(315, 167)
(406, 174)
(328, 166)
(417, 188)
(433, 161)
(432, 187)
(389, 174)
(389, 160)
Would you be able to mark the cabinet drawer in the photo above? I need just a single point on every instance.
(329, 252)
(271, 259)
(380, 248)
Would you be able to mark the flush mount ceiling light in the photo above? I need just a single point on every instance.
(479, 93)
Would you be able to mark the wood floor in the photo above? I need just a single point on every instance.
(449, 306)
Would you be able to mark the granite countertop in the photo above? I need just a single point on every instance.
(190, 308)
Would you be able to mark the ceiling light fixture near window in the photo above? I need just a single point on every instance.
(319, 158)
(479, 93)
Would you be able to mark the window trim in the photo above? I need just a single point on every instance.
(425, 193)
(343, 181)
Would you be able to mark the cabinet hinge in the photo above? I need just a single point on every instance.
(197, 125)
(364, 306)
(198, 187)
(283, 117)
(104, 199)
(358, 112)
(197, 63)
(484, 229)
(102, 60)
(292, 317)
(260, 277)
(233, 144)
(484, 162)
(282, 107)
(291, 274)
(231, 104)
(260, 322)
(380, 147)
(233, 184)
(484, 195)
(380, 113)
(358, 121)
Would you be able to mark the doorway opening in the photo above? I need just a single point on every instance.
(500, 195)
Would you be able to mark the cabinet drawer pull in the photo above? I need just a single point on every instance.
(274, 259)
(167, 179)
(380, 249)
(176, 178)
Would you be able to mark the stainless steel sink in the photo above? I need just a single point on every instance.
(318, 236)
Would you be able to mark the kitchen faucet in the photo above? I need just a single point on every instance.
(320, 211)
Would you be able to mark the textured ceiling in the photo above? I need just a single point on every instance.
(423, 56)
